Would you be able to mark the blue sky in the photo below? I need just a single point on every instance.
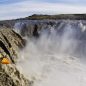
(15, 1)
(49, 1)
(10, 1)
(11, 9)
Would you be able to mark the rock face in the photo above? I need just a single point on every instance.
(10, 44)
(35, 27)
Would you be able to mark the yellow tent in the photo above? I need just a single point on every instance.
(5, 61)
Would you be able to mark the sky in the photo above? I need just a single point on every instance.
(12, 9)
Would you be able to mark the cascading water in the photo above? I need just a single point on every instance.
(51, 60)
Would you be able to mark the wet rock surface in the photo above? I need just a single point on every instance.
(10, 44)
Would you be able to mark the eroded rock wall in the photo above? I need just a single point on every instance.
(10, 44)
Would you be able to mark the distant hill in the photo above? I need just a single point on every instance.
(61, 16)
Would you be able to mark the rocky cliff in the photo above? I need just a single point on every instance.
(10, 44)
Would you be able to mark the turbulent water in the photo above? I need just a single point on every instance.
(51, 60)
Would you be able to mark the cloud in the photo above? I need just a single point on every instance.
(26, 8)
(80, 2)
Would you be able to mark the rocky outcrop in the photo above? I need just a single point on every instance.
(10, 44)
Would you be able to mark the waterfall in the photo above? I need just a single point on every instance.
(54, 59)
